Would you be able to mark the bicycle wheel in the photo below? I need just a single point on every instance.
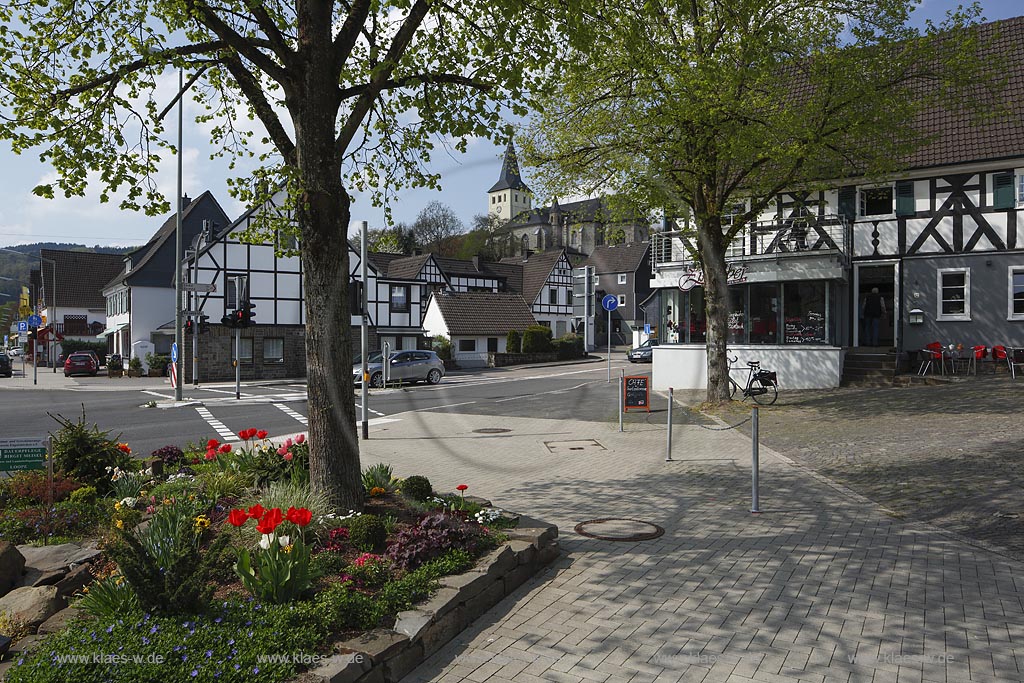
(732, 389)
(768, 395)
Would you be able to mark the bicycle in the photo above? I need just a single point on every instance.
(762, 385)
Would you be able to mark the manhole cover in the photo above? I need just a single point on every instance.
(575, 447)
(491, 430)
(614, 529)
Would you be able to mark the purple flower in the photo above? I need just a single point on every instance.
(217, 620)
(209, 653)
(145, 640)
(194, 673)
(154, 629)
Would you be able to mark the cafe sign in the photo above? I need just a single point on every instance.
(694, 277)
(22, 454)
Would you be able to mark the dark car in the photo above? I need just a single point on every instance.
(81, 363)
(643, 353)
(6, 368)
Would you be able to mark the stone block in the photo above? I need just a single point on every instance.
(48, 578)
(525, 551)
(378, 644)
(478, 605)
(498, 561)
(468, 584)
(342, 668)
(441, 630)
(412, 623)
(403, 662)
(548, 553)
(56, 557)
(59, 620)
(518, 576)
(533, 531)
(374, 675)
(441, 602)
(32, 606)
(12, 566)
(75, 580)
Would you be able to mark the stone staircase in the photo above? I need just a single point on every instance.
(869, 367)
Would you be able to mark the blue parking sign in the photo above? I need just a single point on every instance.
(22, 326)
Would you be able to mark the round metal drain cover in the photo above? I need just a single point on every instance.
(615, 529)
(491, 430)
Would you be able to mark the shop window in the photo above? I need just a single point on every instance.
(467, 345)
(737, 315)
(273, 350)
(764, 314)
(399, 298)
(1002, 191)
(697, 330)
(1016, 293)
(875, 201)
(954, 293)
(804, 311)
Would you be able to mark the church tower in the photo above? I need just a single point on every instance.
(510, 196)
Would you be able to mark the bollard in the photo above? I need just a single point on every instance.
(754, 464)
(622, 387)
(668, 456)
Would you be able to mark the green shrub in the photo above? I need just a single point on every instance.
(84, 453)
(417, 488)
(367, 533)
(568, 347)
(513, 342)
(70, 346)
(442, 347)
(158, 362)
(109, 598)
(379, 476)
(30, 487)
(134, 363)
(537, 339)
(326, 563)
(84, 496)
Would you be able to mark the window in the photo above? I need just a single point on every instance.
(1002, 191)
(805, 313)
(876, 201)
(467, 345)
(246, 350)
(492, 344)
(1016, 294)
(764, 314)
(493, 199)
(905, 198)
(544, 323)
(622, 299)
(954, 294)
(1020, 189)
(399, 298)
(622, 278)
(273, 350)
(552, 295)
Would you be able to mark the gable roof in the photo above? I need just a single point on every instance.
(618, 258)
(483, 313)
(536, 269)
(408, 267)
(81, 277)
(509, 178)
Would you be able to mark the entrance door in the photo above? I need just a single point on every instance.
(883, 278)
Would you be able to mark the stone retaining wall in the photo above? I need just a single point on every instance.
(500, 360)
(386, 655)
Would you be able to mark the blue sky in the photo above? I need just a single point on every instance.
(465, 180)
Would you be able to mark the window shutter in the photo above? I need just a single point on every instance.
(1002, 190)
(905, 198)
(848, 203)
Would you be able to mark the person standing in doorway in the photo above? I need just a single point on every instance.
(874, 309)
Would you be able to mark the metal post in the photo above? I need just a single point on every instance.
(385, 362)
(622, 374)
(671, 397)
(754, 464)
(609, 347)
(238, 364)
(178, 332)
(35, 345)
(365, 332)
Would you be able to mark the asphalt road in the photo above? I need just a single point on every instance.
(579, 391)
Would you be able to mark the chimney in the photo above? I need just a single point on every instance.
(476, 261)
(185, 201)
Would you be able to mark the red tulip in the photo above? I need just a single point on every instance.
(461, 487)
(256, 511)
(226, 448)
(261, 434)
(237, 517)
(211, 454)
(299, 517)
(270, 521)
(212, 443)
(301, 438)
(288, 455)
(244, 435)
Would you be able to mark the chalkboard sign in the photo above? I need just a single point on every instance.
(636, 393)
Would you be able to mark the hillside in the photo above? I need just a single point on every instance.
(17, 268)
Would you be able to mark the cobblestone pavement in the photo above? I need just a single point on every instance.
(951, 455)
(823, 586)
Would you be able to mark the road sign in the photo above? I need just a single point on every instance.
(34, 321)
(174, 352)
(192, 314)
(22, 326)
(610, 302)
(22, 454)
(198, 287)
(647, 329)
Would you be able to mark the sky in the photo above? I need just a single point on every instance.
(465, 179)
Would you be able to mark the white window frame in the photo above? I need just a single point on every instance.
(245, 350)
(1010, 272)
(273, 359)
(966, 315)
(862, 202)
(622, 299)
(1020, 189)
(622, 278)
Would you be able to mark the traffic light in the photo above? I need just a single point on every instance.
(239, 315)
(189, 327)
(229, 320)
(355, 297)
(249, 313)
(32, 332)
(204, 326)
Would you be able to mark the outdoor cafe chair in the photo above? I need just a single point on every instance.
(1015, 358)
(999, 354)
(928, 356)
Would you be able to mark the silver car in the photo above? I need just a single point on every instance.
(405, 366)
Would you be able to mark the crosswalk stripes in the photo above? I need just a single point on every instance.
(291, 413)
(222, 431)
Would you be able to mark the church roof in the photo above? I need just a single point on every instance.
(578, 212)
(510, 178)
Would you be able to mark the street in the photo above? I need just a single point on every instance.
(141, 411)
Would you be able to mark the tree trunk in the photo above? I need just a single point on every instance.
(716, 306)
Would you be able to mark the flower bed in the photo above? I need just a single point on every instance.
(238, 572)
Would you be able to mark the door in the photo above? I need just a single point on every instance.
(401, 366)
(876, 299)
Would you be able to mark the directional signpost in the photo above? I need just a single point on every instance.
(198, 287)
(609, 303)
(174, 365)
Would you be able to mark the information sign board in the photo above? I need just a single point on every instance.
(636, 393)
(22, 454)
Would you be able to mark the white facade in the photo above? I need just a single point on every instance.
(476, 357)
(798, 367)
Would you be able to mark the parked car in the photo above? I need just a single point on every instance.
(81, 362)
(14, 353)
(6, 366)
(405, 366)
(643, 353)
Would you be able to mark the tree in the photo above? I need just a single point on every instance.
(349, 95)
(435, 226)
(398, 239)
(488, 222)
(692, 105)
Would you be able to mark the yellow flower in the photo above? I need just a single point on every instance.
(287, 548)
(117, 506)
(201, 522)
(85, 590)
(119, 523)
(167, 501)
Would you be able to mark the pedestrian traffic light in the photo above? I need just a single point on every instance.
(189, 327)
(204, 326)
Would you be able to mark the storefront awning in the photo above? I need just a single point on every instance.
(111, 330)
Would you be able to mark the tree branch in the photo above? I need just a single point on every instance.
(415, 80)
(246, 47)
(139, 64)
(253, 90)
(349, 32)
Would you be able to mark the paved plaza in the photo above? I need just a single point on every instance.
(824, 585)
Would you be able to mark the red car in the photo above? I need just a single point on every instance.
(80, 363)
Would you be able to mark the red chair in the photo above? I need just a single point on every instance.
(998, 354)
(980, 353)
(929, 355)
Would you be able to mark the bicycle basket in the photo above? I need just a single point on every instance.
(767, 377)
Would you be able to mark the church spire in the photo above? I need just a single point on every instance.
(510, 178)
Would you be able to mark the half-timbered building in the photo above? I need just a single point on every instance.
(547, 288)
